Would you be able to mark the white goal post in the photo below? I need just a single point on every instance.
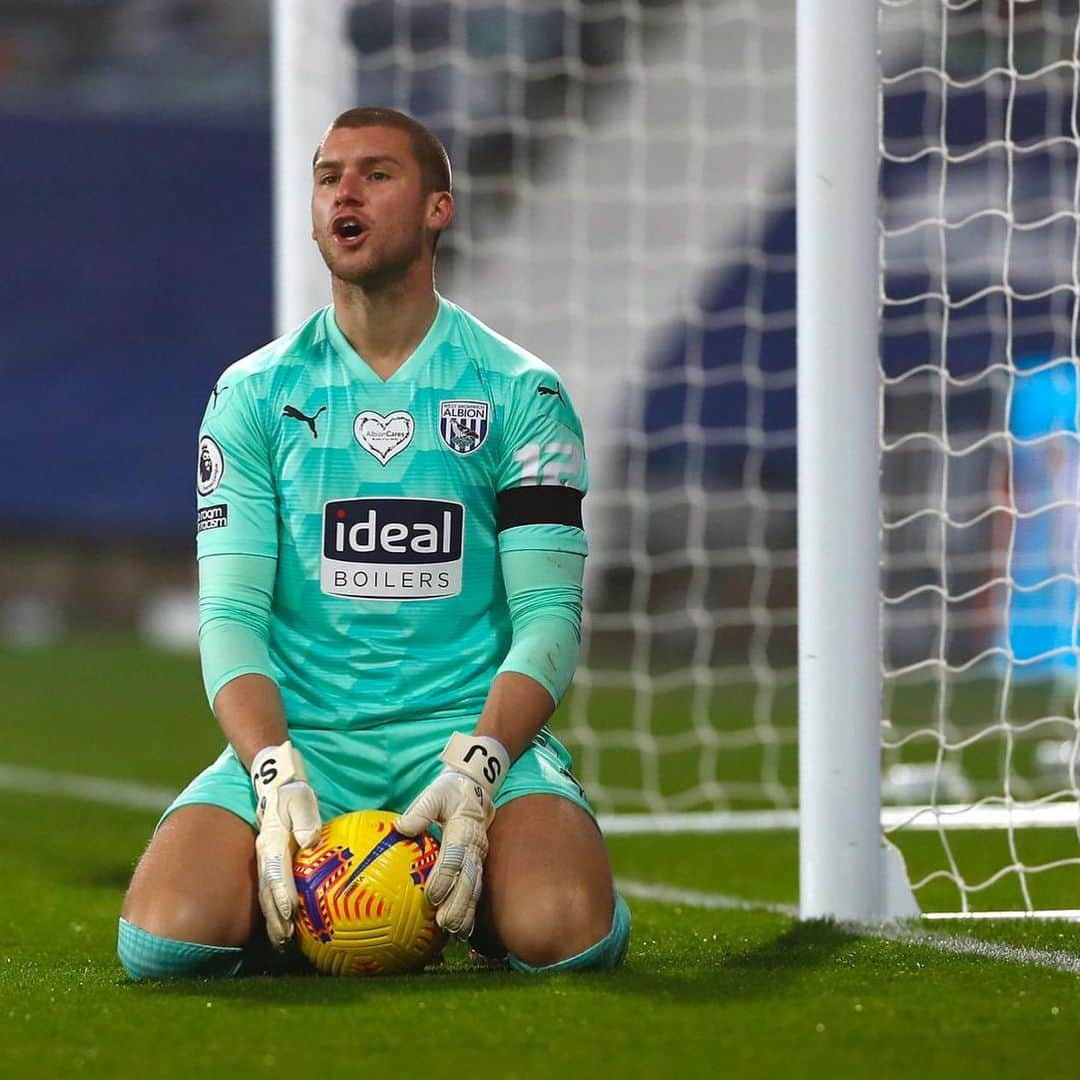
(841, 864)
(302, 110)
(626, 175)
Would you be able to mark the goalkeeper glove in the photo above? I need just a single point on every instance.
(461, 800)
(287, 814)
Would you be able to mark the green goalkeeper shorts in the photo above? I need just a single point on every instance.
(382, 768)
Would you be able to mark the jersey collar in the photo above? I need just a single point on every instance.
(419, 357)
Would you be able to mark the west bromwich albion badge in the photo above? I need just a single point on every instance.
(463, 425)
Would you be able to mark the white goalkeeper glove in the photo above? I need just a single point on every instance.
(287, 813)
(461, 800)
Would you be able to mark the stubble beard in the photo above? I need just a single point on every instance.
(377, 275)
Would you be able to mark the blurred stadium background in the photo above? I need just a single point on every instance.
(590, 143)
(625, 180)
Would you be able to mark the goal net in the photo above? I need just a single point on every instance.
(980, 292)
(625, 187)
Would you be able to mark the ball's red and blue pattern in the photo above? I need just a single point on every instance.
(363, 910)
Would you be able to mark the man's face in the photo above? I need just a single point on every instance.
(370, 216)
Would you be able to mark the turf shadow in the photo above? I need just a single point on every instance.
(718, 974)
(318, 991)
(721, 973)
(115, 876)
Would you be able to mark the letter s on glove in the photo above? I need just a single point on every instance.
(461, 800)
(287, 814)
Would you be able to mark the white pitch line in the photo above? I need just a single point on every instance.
(96, 789)
(139, 796)
(712, 821)
(136, 796)
(1053, 959)
(1058, 815)
(670, 894)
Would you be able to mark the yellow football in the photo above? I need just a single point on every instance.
(363, 909)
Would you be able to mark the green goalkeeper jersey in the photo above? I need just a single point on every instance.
(385, 505)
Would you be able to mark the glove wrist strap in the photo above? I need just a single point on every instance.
(274, 766)
(479, 757)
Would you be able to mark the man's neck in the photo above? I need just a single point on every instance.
(384, 326)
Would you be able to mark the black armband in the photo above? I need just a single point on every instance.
(540, 505)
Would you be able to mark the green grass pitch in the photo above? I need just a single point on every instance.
(705, 991)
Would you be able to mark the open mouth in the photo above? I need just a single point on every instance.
(349, 229)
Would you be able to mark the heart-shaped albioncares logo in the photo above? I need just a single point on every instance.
(383, 436)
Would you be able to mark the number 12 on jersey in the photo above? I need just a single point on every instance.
(549, 463)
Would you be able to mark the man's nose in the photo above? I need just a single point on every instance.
(349, 188)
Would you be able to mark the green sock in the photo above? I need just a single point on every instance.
(147, 956)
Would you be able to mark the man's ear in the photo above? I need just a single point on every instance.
(440, 210)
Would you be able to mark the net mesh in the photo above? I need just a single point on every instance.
(624, 175)
(979, 243)
(625, 195)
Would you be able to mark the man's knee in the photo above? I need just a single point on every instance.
(172, 923)
(188, 914)
(576, 931)
(174, 934)
(548, 895)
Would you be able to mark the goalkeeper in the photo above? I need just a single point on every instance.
(390, 552)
